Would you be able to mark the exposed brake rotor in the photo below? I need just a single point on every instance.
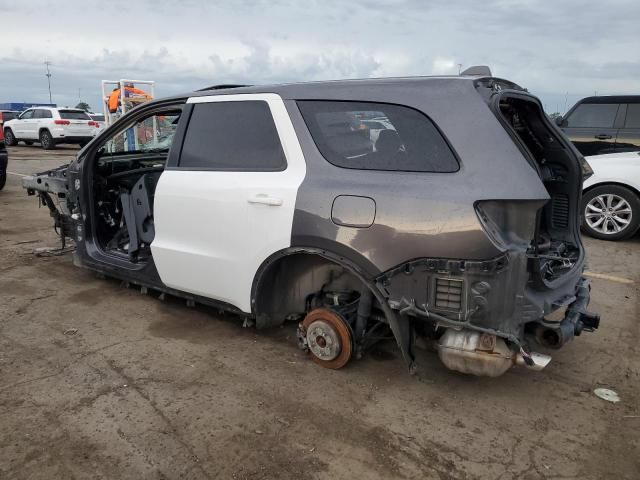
(328, 337)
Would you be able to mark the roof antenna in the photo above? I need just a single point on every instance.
(478, 70)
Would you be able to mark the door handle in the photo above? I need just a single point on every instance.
(265, 199)
(602, 136)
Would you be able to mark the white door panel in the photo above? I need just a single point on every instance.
(215, 228)
(32, 129)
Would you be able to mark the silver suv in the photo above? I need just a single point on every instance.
(457, 220)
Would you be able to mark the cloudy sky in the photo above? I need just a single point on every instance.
(560, 50)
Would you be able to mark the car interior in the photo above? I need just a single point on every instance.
(126, 171)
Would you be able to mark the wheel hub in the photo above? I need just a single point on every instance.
(323, 340)
(327, 336)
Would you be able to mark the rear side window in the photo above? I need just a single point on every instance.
(232, 136)
(73, 115)
(633, 116)
(377, 136)
(594, 115)
(42, 114)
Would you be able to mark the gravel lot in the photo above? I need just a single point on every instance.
(99, 381)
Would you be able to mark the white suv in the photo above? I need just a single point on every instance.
(51, 126)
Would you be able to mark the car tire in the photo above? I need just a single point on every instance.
(46, 140)
(610, 212)
(3, 180)
(10, 138)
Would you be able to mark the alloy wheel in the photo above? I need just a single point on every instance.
(608, 214)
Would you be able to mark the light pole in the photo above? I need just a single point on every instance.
(48, 75)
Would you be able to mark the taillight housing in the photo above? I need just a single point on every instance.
(587, 171)
(62, 122)
(509, 223)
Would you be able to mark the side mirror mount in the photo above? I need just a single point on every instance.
(559, 121)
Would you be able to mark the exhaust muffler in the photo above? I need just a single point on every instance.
(483, 354)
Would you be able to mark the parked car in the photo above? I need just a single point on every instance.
(611, 197)
(99, 121)
(4, 159)
(51, 127)
(270, 202)
(604, 124)
(6, 115)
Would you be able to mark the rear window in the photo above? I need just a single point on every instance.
(633, 116)
(232, 136)
(73, 115)
(594, 115)
(400, 138)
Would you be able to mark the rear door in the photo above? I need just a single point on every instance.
(228, 201)
(592, 127)
(78, 123)
(628, 139)
(41, 119)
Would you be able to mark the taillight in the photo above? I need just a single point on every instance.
(93, 124)
(62, 122)
(587, 171)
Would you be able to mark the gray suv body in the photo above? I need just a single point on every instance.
(457, 221)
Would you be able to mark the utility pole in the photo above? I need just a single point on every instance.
(48, 75)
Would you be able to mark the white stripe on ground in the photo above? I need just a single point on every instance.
(17, 174)
(604, 276)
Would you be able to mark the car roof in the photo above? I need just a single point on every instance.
(300, 89)
(55, 108)
(612, 99)
(344, 88)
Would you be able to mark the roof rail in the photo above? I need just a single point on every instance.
(221, 87)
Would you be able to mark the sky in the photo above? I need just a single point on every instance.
(559, 50)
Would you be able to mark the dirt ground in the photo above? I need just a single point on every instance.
(99, 381)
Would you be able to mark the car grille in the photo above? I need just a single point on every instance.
(448, 294)
(560, 211)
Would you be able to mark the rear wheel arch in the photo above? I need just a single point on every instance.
(286, 269)
(51, 144)
(617, 184)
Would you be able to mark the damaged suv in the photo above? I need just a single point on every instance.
(454, 217)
